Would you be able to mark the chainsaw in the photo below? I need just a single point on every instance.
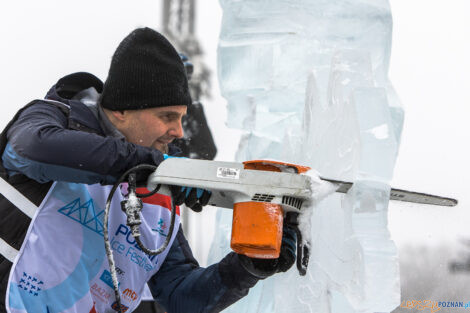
(262, 195)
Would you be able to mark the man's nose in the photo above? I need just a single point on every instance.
(176, 130)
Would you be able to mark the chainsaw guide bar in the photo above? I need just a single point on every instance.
(402, 195)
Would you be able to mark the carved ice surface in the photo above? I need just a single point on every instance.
(320, 190)
(307, 81)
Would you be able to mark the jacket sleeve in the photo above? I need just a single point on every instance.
(180, 285)
(41, 146)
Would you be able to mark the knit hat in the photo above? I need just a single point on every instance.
(146, 72)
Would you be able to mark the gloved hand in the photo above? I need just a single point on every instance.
(142, 175)
(194, 198)
(263, 268)
(288, 248)
(166, 156)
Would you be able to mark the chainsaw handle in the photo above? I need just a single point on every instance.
(303, 249)
(303, 254)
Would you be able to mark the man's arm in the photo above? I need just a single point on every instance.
(180, 285)
(41, 147)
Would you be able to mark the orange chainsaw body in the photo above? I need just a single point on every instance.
(257, 226)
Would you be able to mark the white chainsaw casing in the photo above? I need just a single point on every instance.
(230, 183)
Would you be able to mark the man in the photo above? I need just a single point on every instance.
(69, 148)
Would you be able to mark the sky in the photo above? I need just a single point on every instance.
(40, 41)
(430, 70)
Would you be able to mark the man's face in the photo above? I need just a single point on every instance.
(153, 127)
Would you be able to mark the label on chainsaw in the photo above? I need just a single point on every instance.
(227, 172)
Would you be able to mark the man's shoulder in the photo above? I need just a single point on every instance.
(49, 105)
(75, 114)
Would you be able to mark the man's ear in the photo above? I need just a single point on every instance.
(119, 115)
(116, 117)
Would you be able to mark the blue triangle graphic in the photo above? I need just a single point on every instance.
(85, 214)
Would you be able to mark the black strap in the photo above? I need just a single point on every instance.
(14, 230)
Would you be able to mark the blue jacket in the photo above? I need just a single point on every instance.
(64, 141)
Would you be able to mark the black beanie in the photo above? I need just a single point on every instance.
(146, 72)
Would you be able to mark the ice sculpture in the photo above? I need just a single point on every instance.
(307, 80)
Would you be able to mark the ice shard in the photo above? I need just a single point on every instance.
(307, 80)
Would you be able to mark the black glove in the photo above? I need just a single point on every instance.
(288, 248)
(263, 268)
(194, 198)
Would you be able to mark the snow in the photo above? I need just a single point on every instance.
(133, 201)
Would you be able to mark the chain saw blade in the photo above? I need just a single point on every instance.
(402, 195)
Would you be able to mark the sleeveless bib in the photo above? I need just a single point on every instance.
(62, 265)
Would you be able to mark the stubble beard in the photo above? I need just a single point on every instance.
(162, 148)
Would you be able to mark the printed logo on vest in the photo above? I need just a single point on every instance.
(30, 284)
(114, 306)
(123, 243)
(130, 295)
(100, 293)
(119, 271)
(85, 214)
(106, 278)
(161, 227)
(93, 309)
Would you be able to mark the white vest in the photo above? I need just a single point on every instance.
(62, 265)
